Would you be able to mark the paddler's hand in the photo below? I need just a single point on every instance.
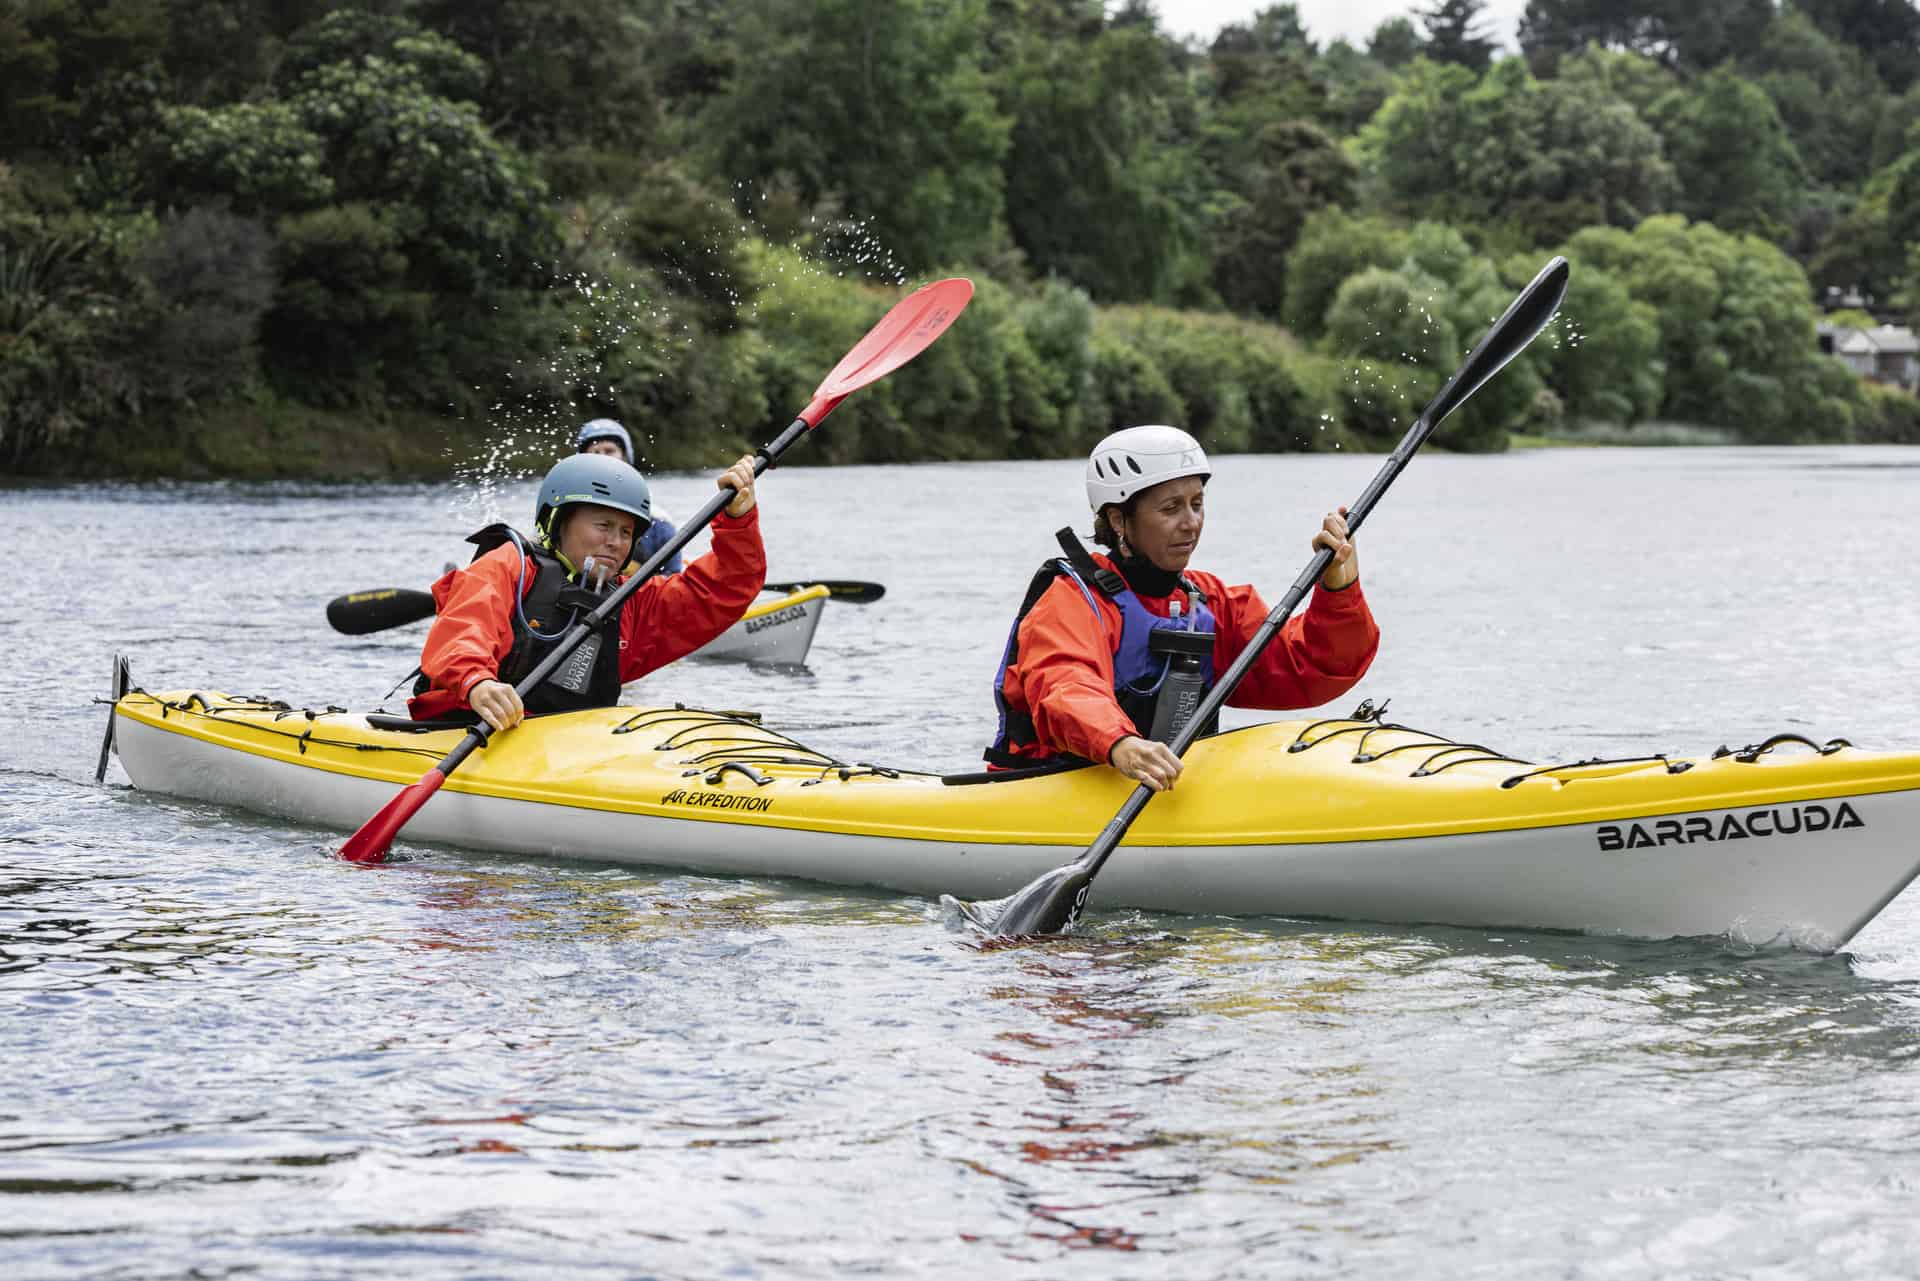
(739, 478)
(1146, 760)
(498, 704)
(1346, 563)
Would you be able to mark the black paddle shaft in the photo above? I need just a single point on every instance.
(764, 459)
(1051, 904)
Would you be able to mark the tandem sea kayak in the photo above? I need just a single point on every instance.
(1787, 841)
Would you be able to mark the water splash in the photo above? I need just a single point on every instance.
(622, 328)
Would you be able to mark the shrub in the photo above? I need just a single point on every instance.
(212, 278)
(1890, 416)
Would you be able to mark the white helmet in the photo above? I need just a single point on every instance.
(1138, 458)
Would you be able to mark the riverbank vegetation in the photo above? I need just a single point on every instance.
(242, 238)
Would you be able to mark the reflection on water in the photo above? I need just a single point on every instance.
(230, 1054)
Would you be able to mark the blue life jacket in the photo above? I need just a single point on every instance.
(1137, 671)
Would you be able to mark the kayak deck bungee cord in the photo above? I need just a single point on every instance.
(1349, 818)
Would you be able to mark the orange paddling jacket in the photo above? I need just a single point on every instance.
(667, 617)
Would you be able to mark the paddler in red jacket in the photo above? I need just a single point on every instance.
(497, 616)
(1107, 648)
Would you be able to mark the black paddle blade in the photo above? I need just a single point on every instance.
(1049, 905)
(1517, 326)
(846, 591)
(358, 613)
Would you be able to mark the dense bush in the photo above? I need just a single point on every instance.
(1888, 416)
(70, 307)
(211, 279)
(1236, 384)
(1736, 328)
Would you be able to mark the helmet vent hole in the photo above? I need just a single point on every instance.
(599, 488)
(1131, 463)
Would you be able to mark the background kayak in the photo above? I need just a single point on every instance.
(776, 630)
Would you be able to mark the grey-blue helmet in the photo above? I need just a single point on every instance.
(603, 429)
(593, 478)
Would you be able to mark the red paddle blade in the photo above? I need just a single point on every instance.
(375, 837)
(903, 333)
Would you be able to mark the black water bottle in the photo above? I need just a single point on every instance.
(1185, 682)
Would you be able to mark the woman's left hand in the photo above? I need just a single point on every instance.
(1346, 563)
(739, 478)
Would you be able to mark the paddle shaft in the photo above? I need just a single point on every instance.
(1038, 908)
(361, 613)
(764, 458)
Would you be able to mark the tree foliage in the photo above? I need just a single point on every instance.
(1737, 165)
(1504, 147)
(1736, 324)
(670, 211)
(1886, 31)
(1099, 183)
(1456, 33)
(905, 133)
(1691, 34)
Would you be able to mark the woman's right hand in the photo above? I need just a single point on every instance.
(498, 704)
(1146, 761)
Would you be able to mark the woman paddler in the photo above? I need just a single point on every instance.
(1109, 649)
(497, 617)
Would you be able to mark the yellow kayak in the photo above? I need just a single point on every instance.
(1349, 818)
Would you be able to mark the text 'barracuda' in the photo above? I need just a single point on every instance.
(1787, 821)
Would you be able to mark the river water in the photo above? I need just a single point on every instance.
(228, 1054)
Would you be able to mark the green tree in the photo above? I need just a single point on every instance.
(1332, 246)
(56, 54)
(1101, 186)
(1827, 94)
(1864, 250)
(1619, 74)
(1887, 31)
(1456, 33)
(1264, 71)
(1737, 164)
(1395, 42)
(1680, 33)
(1894, 127)
(562, 73)
(1603, 350)
(1736, 328)
(1357, 85)
(1296, 169)
(408, 234)
(1543, 156)
(905, 130)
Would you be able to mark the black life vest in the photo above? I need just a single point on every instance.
(1137, 669)
(542, 615)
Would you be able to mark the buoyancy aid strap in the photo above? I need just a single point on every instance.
(1088, 569)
